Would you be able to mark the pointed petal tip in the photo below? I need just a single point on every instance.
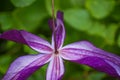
(13, 35)
(59, 12)
(27, 38)
(59, 31)
(60, 15)
(84, 52)
(101, 65)
(50, 23)
(24, 66)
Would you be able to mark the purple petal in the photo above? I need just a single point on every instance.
(55, 69)
(24, 66)
(85, 53)
(29, 39)
(59, 31)
(60, 15)
(50, 22)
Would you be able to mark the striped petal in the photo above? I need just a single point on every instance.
(59, 35)
(55, 69)
(24, 66)
(50, 23)
(29, 39)
(85, 53)
(59, 16)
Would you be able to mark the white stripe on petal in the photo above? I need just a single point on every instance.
(55, 69)
(24, 66)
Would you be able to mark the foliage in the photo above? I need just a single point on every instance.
(97, 21)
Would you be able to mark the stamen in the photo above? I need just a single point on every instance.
(56, 52)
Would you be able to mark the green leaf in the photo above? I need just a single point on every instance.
(100, 8)
(78, 18)
(116, 12)
(97, 29)
(119, 40)
(39, 74)
(110, 33)
(61, 5)
(10, 45)
(48, 5)
(29, 18)
(71, 4)
(77, 3)
(4, 63)
(96, 76)
(22, 3)
(6, 21)
(106, 32)
(29, 50)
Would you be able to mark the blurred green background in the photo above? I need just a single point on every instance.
(97, 21)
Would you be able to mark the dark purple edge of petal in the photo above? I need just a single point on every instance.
(22, 71)
(100, 55)
(60, 15)
(30, 67)
(24, 77)
(13, 32)
(58, 29)
(17, 39)
(60, 77)
(43, 46)
(50, 23)
(116, 74)
(81, 61)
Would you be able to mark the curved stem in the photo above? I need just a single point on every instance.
(53, 15)
(54, 32)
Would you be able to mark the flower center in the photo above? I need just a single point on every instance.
(56, 52)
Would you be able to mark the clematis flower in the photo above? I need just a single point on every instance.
(82, 52)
